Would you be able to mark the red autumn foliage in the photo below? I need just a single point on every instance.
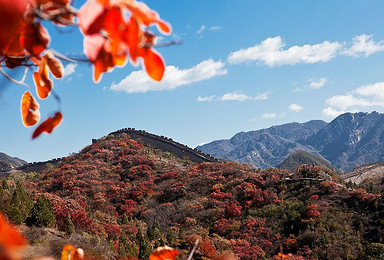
(48, 125)
(114, 31)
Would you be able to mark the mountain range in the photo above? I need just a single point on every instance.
(348, 141)
(7, 162)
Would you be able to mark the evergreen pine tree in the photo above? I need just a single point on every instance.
(123, 245)
(21, 200)
(125, 220)
(4, 184)
(42, 214)
(14, 216)
(69, 226)
(133, 249)
(157, 232)
(145, 248)
(170, 236)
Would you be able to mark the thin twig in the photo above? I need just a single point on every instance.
(25, 74)
(13, 80)
(193, 250)
(62, 56)
(167, 44)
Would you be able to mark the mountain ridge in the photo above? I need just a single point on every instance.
(348, 141)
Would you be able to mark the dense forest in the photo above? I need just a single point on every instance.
(120, 198)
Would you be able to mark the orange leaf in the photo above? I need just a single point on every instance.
(55, 65)
(164, 27)
(164, 253)
(71, 253)
(34, 38)
(29, 109)
(66, 252)
(146, 16)
(283, 256)
(42, 82)
(91, 17)
(11, 240)
(48, 125)
(153, 64)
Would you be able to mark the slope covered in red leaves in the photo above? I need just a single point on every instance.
(124, 192)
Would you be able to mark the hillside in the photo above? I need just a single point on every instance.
(298, 158)
(267, 147)
(374, 171)
(120, 197)
(7, 162)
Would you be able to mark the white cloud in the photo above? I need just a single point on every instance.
(363, 45)
(362, 97)
(295, 107)
(272, 53)
(69, 69)
(238, 96)
(262, 96)
(374, 91)
(269, 115)
(205, 99)
(215, 28)
(332, 112)
(138, 81)
(235, 96)
(317, 83)
(347, 101)
(204, 28)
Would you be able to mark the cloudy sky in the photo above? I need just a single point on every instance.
(243, 65)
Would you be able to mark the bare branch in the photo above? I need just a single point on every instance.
(167, 44)
(21, 82)
(62, 56)
(193, 250)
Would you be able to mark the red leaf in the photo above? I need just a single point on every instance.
(11, 13)
(11, 240)
(29, 109)
(34, 38)
(91, 17)
(164, 253)
(153, 64)
(132, 38)
(48, 125)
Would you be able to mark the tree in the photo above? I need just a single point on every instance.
(69, 227)
(42, 215)
(21, 201)
(114, 32)
(145, 248)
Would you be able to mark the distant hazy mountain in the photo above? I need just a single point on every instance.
(298, 158)
(7, 162)
(267, 147)
(350, 140)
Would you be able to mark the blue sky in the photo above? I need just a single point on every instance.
(243, 65)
